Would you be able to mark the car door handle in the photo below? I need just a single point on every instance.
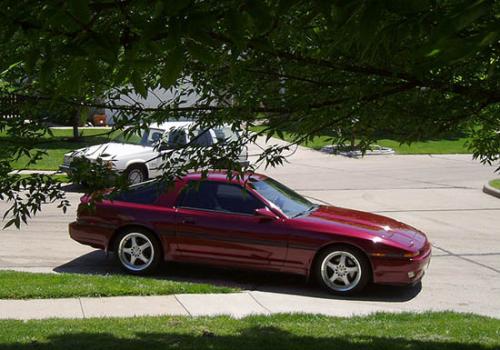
(189, 221)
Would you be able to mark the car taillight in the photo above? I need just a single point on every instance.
(85, 199)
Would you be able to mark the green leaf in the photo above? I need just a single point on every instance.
(80, 9)
(236, 24)
(173, 7)
(325, 7)
(173, 69)
(370, 23)
(200, 52)
(138, 84)
(46, 70)
(158, 9)
(285, 5)
(261, 15)
(467, 16)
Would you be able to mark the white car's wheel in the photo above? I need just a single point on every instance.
(136, 174)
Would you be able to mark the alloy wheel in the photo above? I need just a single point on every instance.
(136, 251)
(341, 271)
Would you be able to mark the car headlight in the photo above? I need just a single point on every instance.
(108, 164)
(396, 255)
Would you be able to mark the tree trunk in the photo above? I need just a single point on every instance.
(76, 124)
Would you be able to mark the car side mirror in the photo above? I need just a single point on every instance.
(265, 214)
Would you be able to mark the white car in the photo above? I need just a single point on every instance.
(139, 157)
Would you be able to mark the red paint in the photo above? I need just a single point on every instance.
(259, 241)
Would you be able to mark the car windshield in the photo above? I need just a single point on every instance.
(288, 201)
(147, 137)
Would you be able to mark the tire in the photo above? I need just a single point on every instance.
(136, 174)
(138, 251)
(351, 267)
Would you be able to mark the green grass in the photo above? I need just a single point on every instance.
(57, 177)
(24, 285)
(495, 183)
(455, 146)
(56, 146)
(429, 331)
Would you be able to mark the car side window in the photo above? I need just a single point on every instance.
(176, 138)
(155, 137)
(217, 196)
(202, 138)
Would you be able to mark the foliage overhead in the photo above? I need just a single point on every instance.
(416, 69)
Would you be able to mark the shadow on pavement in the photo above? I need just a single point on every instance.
(73, 188)
(97, 262)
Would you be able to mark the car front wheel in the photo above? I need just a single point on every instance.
(136, 174)
(343, 270)
(138, 251)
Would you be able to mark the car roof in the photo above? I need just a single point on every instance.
(221, 176)
(180, 124)
(170, 125)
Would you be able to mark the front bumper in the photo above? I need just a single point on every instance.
(406, 271)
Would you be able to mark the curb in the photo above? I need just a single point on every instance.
(30, 172)
(491, 191)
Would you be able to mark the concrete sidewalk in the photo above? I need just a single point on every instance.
(234, 304)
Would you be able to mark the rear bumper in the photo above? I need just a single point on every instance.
(90, 234)
(401, 271)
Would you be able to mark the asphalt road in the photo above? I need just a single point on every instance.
(440, 195)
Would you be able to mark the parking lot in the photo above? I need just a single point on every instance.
(441, 195)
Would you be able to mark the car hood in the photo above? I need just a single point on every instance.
(366, 224)
(109, 150)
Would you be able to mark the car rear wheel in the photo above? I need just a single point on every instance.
(343, 270)
(138, 251)
(136, 174)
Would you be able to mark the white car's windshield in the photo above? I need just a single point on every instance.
(148, 137)
(288, 201)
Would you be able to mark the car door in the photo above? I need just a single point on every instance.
(216, 221)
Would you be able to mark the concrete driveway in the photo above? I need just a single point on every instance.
(441, 195)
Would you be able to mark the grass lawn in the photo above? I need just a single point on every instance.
(495, 184)
(58, 177)
(455, 146)
(24, 285)
(429, 331)
(57, 145)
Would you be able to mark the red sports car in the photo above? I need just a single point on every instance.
(254, 223)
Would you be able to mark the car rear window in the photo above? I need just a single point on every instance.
(142, 194)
